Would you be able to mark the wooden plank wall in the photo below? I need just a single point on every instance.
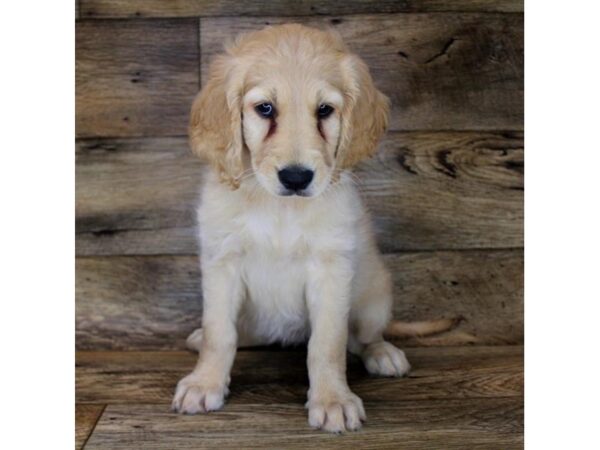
(446, 188)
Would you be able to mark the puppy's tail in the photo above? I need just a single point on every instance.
(399, 329)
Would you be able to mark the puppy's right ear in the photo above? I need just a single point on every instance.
(216, 121)
(365, 116)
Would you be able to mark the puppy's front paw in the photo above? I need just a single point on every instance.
(194, 395)
(336, 412)
(385, 359)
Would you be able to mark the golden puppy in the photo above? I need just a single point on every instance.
(288, 254)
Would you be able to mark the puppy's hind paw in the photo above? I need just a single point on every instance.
(385, 359)
(194, 340)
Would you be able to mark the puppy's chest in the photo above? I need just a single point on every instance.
(276, 250)
(279, 235)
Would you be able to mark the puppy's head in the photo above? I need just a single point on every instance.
(289, 105)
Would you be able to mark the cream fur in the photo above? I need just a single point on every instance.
(289, 269)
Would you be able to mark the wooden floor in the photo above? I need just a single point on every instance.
(455, 397)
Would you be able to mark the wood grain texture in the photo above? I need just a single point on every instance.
(433, 424)
(441, 71)
(426, 190)
(280, 376)
(188, 8)
(135, 78)
(154, 302)
(136, 302)
(446, 190)
(136, 196)
(86, 417)
(455, 397)
(483, 287)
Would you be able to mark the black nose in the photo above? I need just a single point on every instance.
(295, 178)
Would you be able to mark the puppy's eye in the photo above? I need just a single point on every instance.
(324, 111)
(267, 110)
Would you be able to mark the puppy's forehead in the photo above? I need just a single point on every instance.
(259, 94)
(284, 79)
(292, 63)
(295, 66)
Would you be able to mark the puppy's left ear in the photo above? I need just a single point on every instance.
(216, 120)
(365, 114)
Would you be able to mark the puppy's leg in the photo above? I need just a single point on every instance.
(331, 405)
(205, 388)
(194, 340)
(369, 317)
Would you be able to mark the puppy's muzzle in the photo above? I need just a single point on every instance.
(295, 179)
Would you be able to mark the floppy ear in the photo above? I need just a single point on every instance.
(364, 116)
(216, 121)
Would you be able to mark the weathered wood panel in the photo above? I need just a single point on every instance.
(484, 287)
(136, 196)
(447, 190)
(188, 8)
(135, 78)
(281, 376)
(136, 302)
(86, 416)
(441, 71)
(154, 302)
(430, 424)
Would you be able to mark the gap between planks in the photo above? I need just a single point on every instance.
(87, 416)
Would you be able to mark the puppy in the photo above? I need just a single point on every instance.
(287, 250)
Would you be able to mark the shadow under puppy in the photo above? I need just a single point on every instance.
(288, 253)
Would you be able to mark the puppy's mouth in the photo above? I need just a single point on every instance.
(295, 193)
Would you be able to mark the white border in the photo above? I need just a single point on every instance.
(37, 224)
(562, 225)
